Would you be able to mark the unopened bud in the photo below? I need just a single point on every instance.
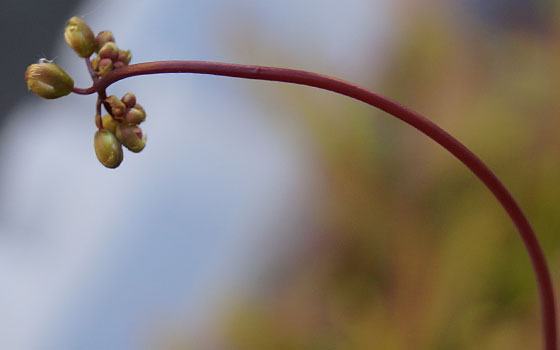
(107, 148)
(118, 64)
(109, 50)
(117, 106)
(131, 137)
(135, 115)
(102, 38)
(124, 56)
(48, 80)
(98, 121)
(95, 62)
(129, 99)
(80, 37)
(110, 123)
(104, 66)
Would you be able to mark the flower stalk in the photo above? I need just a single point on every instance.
(424, 125)
(120, 126)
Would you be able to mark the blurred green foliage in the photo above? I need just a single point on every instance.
(411, 250)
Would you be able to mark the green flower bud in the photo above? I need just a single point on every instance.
(109, 50)
(98, 121)
(135, 115)
(129, 99)
(102, 38)
(110, 123)
(95, 63)
(131, 137)
(107, 148)
(124, 56)
(118, 64)
(48, 80)
(117, 106)
(79, 36)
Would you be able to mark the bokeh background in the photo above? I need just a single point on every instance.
(264, 216)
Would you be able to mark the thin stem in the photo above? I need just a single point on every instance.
(82, 91)
(91, 71)
(410, 117)
(101, 94)
(98, 112)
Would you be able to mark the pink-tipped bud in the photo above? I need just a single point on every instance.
(48, 80)
(118, 64)
(102, 38)
(118, 108)
(107, 148)
(129, 99)
(79, 37)
(109, 50)
(104, 66)
(131, 137)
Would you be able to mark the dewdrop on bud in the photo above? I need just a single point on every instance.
(135, 115)
(109, 50)
(102, 38)
(117, 106)
(48, 80)
(107, 148)
(131, 137)
(109, 123)
(79, 37)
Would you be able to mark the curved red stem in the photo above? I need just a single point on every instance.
(410, 117)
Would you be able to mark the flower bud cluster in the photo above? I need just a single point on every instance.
(122, 124)
(109, 56)
(79, 37)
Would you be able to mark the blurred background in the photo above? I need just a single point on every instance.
(270, 216)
